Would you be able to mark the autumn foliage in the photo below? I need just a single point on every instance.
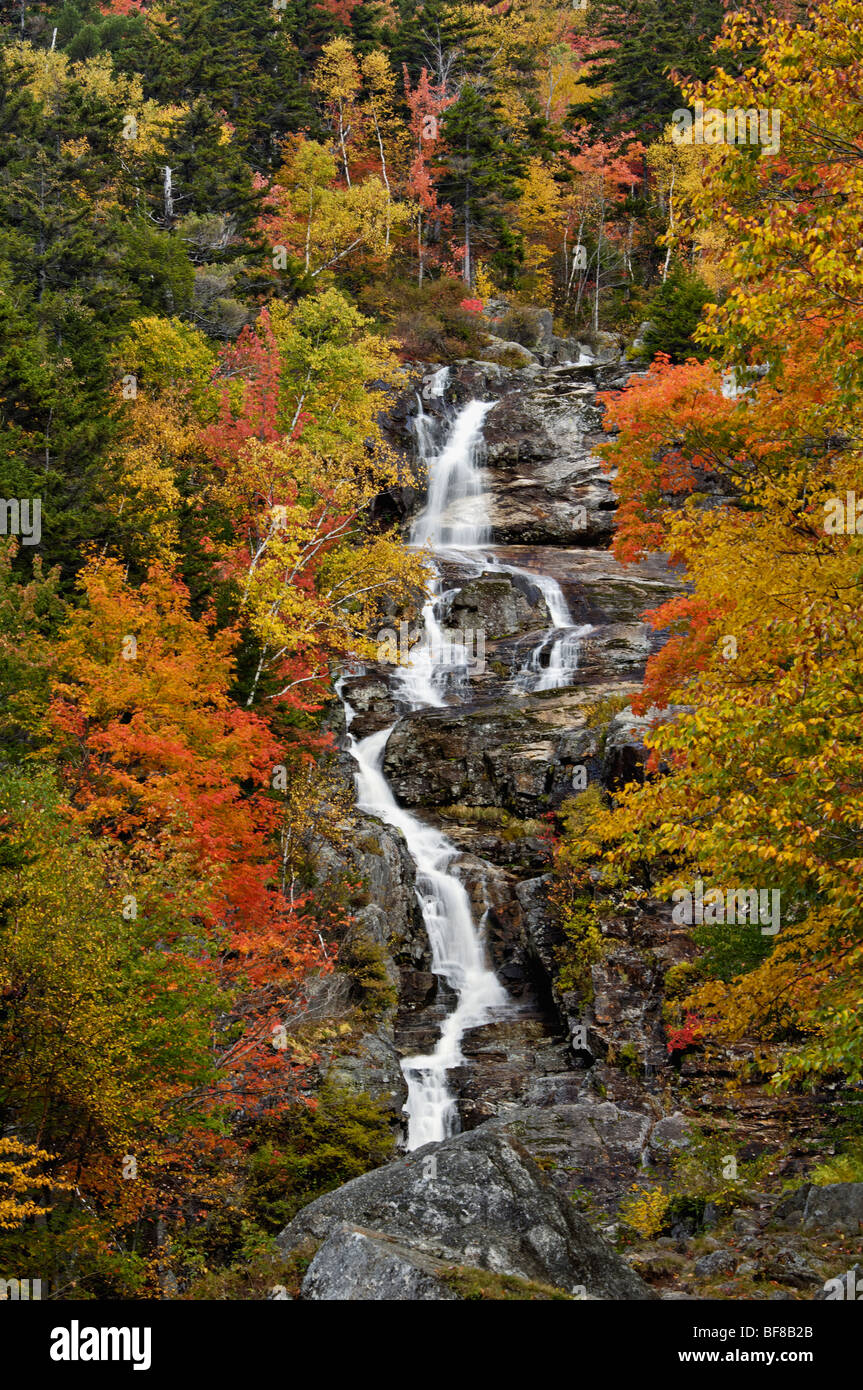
(729, 467)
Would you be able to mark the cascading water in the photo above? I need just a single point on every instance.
(562, 641)
(457, 952)
(454, 519)
(454, 525)
(454, 516)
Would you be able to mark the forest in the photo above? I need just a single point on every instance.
(236, 237)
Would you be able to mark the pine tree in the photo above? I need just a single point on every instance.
(674, 314)
(480, 169)
(238, 57)
(646, 40)
(77, 262)
(209, 175)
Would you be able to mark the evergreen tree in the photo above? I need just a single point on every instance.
(239, 57)
(434, 35)
(646, 40)
(77, 263)
(674, 313)
(82, 28)
(209, 175)
(480, 167)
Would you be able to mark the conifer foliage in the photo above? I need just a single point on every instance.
(228, 229)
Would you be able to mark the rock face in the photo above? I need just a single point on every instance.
(569, 1097)
(477, 1200)
(550, 487)
(520, 758)
(837, 1206)
(391, 917)
(355, 1266)
(373, 1067)
(499, 605)
(547, 485)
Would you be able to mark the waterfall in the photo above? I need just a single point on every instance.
(457, 952)
(454, 516)
(562, 642)
(454, 519)
(454, 524)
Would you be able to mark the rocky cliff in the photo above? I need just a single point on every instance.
(569, 1099)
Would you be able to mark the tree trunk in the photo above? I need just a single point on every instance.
(468, 269)
(598, 267)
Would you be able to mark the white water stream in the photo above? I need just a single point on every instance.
(454, 525)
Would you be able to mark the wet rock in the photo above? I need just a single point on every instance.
(372, 701)
(498, 605)
(503, 844)
(492, 757)
(614, 649)
(599, 589)
(519, 756)
(516, 1062)
(576, 1081)
(417, 989)
(549, 485)
(378, 855)
(477, 1200)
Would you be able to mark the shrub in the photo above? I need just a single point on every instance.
(309, 1151)
(372, 989)
(430, 320)
(255, 1280)
(643, 1210)
(674, 313)
(845, 1167)
(520, 324)
(703, 1169)
(482, 1286)
(692, 1032)
(680, 979)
